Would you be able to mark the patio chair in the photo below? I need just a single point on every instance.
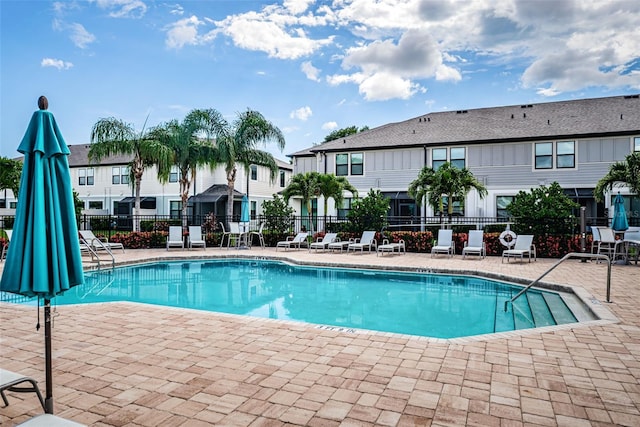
(296, 242)
(324, 242)
(368, 241)
(475, 244)
(5, 248)
(225, 233)
(632, 240)
(524, 246)
(175, 240)
(259, 234)
(10, 381)
(195, 237)
(607, 244)
(387, 246)
(49, 420)
(339, 244)
(595, 241)
(99, 244)
(444, 245)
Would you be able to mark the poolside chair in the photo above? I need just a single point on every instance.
(342, 245)
(631, 240)
(296, 242)
(524, 246)
(236, 236)
(259, 234)
(99, 244)
(49, 420)
(5, 248)
(595, 241)
(324, 242)
(174, 239)
(368, 241)
(225, 233)
(195, 237)
(607, 244)
(444, 245)
(475, 244)
(10, 381)
(386, 246)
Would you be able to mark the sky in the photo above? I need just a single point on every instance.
(310, 67)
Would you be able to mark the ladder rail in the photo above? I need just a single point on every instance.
(560, 261)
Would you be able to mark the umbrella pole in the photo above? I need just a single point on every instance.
(48, 401)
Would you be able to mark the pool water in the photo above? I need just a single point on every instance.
(431, 305)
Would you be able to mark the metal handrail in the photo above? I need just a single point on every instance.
(560, 261)
(94, 253)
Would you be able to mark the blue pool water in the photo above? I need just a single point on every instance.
(432, 305)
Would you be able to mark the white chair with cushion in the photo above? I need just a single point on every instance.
(99, 243)
(174, 239)
(444, 245)
(475, 244)
(195, 237)
(524, 246)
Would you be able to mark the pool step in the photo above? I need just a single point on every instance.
(540, 311)
(561, 313)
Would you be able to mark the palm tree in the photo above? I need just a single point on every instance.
(191, 146)
(111, 136)
(620, 173)
(307, 187)
(237, 144)
(333, 187)
(425, 189)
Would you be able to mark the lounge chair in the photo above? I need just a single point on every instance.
(338, 244)
(175, 240)
(607, 245)
(296, 242)
(225, 233)
(10, 381)
(444, 245)
(49, 420)
(259, 234)
(368, 241)
(5, 248)
(195, 237)
(386, 246)
(99, 244)
(324, 242)
(475, 244)
(524, 246)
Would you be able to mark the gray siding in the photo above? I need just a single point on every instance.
(603, 150)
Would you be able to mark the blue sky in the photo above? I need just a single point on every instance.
(309, 66)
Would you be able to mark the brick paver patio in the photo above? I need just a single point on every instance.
(128, 364)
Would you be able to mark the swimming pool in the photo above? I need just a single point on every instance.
(431, 305)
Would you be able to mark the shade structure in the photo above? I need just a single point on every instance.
(619, 222)
(244, 211)
(44, 258)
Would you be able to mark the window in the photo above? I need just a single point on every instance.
(458, 206)
(124, 175)
(173, 174)
(13, 205)
(95, 204)
(458, 157)
(282, 179)
(502, 203)
(566, 154)
(175, 209)
(254, 209)
(636, 143)
(544, 155)
(254, 172)
(346, 207)
(3, 203)
(85, 176)
(342, 164)
(439, 157)
(357, 164)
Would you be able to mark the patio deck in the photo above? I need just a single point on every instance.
(127, 364)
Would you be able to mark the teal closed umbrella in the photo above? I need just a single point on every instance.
(44, 257)
(244, 219)
(619, 222)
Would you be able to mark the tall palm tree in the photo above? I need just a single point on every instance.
(237, 144)
(425, 188)
(111, 136)
(191, 146)
(621, 173)
(307, 187)
(333, 187)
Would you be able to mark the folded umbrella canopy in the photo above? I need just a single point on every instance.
(619, 222)
(44, 258)
(244, 219)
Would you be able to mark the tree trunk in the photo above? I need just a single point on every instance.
(231, 182)
(136, 211)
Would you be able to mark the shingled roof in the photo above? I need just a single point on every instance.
(596, 117)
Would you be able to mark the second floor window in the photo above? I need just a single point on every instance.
(85, 176)
(438, 157)
(636, 143)
(566, 157)
(349, 164)
(119, 175)
(561, 155)
(254, 172)
(282, 179)
(544, 155)
(173, 174)
(456, 156)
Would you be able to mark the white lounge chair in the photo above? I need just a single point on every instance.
(49, 420)
(368, 241)
(296, 242)
(259, 234)
(524, 246)
(338, 244)
(475, 244)
(324, 242)
(175, 240)
(386, 246)
(99, 244)
(195, 237)
(5, 248)
(11, 381)
(225, 233)
(444, 245)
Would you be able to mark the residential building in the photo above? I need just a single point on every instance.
(508, 149)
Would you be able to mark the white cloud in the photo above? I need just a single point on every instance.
(384, 86)
(80, 36)
(310, 71)
(302, 113)
(183, 32)
(297, 6)
(123, 8)
(329, 125)
(55, 63)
